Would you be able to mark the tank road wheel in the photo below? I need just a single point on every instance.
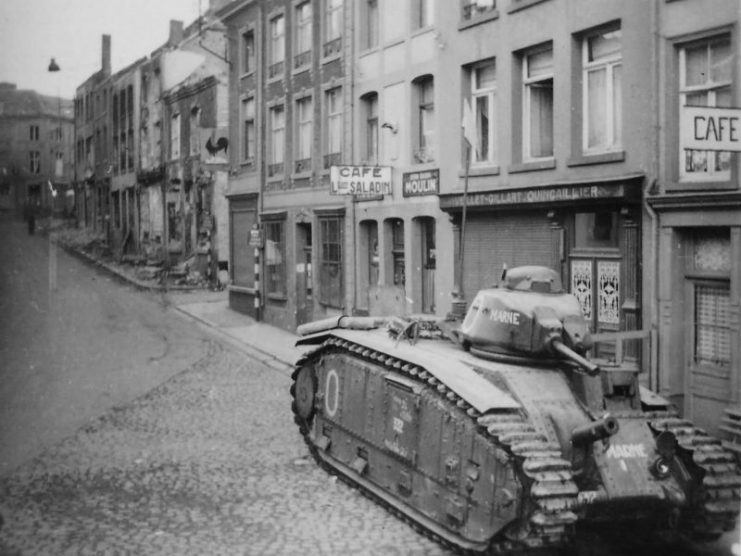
(304, 393)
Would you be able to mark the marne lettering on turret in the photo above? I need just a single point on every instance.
(505, 317)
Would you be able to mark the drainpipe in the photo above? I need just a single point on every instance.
(653, 381)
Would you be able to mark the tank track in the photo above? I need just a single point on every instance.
(718, 501)
(538, 463)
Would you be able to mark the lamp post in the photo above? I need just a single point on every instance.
(54, 67)
(58, 137)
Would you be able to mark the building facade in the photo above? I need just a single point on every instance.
(93, 157)
(694, 203)
(400, 102)
(195, 118)
(36, 138)
(290, 119)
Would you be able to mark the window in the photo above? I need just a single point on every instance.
(425, 92)
(277, 140)
(248, 130)
(331, 274)
(332, 27)
(397, 250)
(424, 15)
(369, 31)
(602, 97)
(483, 104)
(277, 46)
(474, 8)
(248, 51)
(538, 105)
(175, 136)
(34, 133)
(195, 122)
(709, 263)
(303, 35)
(370, 106)
(34, 166)
(304, 133)
(275, 268)
(705, 73)
(333, 108)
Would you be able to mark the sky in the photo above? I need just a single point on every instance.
(32, 32)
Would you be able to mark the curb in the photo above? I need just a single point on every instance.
(252, 351)
(144, 286)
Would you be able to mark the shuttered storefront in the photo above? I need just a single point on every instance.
(496, 239)
(242, 293)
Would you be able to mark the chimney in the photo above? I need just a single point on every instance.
(106, 54)
(176, 32)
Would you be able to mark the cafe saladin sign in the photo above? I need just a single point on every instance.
(370, 181)
(707, 128)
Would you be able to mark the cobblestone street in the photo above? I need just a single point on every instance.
(207, 463)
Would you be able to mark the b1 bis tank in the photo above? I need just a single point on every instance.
(497, 434)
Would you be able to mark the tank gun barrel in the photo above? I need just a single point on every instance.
(591, 368)
(597, 430)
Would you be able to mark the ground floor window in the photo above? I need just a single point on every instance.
(275, 267)
(709, 277)
(330, 260)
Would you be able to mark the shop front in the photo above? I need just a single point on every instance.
(588, 232)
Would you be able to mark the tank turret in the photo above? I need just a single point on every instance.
(528, 315)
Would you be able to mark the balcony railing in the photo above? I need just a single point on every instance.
(275, 69)
(302, 165)
(275, 169)
(332, 47)
(474, 8)
(332, 159)
(303, 59)
(425, 154)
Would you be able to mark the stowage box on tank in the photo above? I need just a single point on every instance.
(497, 433)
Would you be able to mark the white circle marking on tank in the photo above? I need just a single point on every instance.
(332, 393)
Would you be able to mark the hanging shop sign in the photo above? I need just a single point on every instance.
(708, 128)
(360, 180)
(417, 184)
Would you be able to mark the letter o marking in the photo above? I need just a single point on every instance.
(332, 393)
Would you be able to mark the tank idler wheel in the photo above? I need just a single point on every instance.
(305, 393)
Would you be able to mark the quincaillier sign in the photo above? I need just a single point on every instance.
(710, 129)
(415, 184)
(360, 180)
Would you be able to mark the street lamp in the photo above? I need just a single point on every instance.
(54, 67)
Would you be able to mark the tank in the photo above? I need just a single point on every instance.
(497, 433)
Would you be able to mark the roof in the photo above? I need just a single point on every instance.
(25, 102)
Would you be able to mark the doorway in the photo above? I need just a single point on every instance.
(708, 329)
(595, 270)
(304, 275)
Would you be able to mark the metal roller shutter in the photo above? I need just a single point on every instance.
(243, 255)
(495, 239)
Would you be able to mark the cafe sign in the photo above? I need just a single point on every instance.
(707, 128)
(416, 184)
(360, 180)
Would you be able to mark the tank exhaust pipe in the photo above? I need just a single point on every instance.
(598, 430)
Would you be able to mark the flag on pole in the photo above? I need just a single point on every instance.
(469, 127)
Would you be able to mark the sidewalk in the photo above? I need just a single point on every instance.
(271, 345)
